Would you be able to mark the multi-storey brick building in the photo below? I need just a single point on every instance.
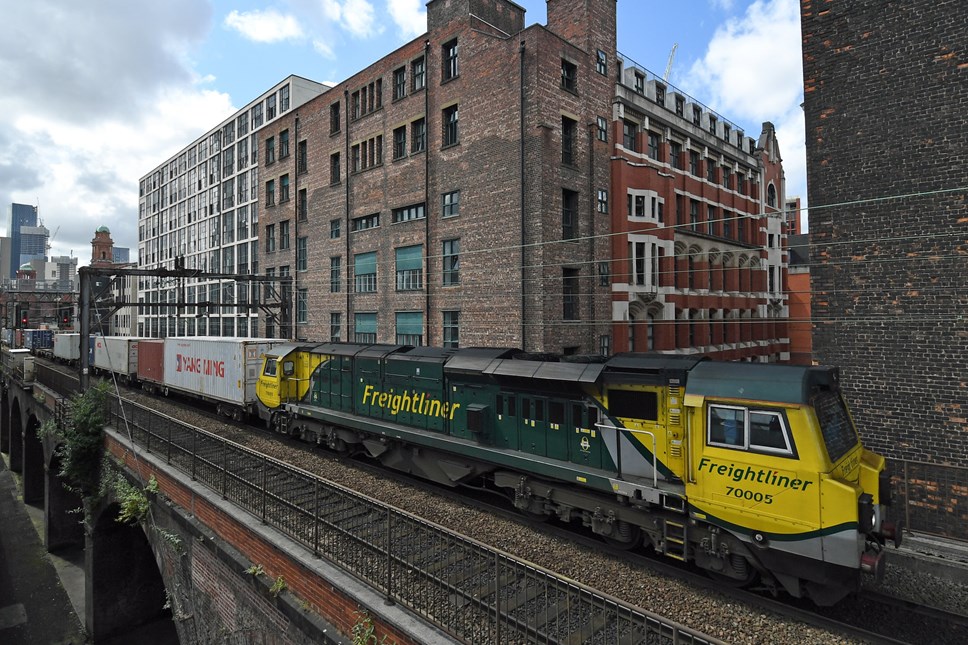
(202, 206)
(697, 243)
(886, 86)
(453, 192)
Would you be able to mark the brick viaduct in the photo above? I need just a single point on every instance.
(197, 546)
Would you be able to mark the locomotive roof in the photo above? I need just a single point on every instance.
(760, 381)
(474, 360)
(546, 370)
(640, 367)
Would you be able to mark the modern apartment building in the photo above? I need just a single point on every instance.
(202, 206)
(21, 215)
(697, 233)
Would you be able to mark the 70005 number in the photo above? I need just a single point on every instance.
(749, 495)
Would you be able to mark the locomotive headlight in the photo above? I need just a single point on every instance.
(866, 517)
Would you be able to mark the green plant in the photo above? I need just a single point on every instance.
(256, 570)
(278, 587)
(133, 500)
(83, 442)
(364, 631)
(47, 429)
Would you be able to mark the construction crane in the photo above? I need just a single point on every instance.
(672, 55)
(51, 239)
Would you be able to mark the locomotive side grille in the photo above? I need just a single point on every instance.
(675, 411)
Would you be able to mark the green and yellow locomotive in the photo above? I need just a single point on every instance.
(751, 471)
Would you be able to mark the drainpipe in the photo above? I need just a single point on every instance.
(427, 309)
(346, 214)
(524, 300)
(295, 228)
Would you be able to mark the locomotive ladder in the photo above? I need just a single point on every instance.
(674, 543)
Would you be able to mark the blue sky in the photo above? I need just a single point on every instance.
(114, 87)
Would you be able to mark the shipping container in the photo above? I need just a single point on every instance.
(151, 362)
(38, 339)
(67, 347)
(118, 354)
(224, 370)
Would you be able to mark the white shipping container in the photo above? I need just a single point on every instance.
(118, 354)
(220, 369)
(67, 347)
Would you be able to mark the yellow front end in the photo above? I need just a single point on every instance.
(285, 376)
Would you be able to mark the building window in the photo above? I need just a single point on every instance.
(302, 306)
(283, 99)
(629, 138)
(451, 329)
(569, 212)
(449, 58)
(409, 267)
(418, 136)
(694, 163)
(364, 328)
(335, 274)
(364, 222)
(270, 192)
(771, 196)
(451, 204)
(726, 132)
(569, 127)
(271, 107)
(303, 205)
(302, 254)
(270, 150)
(408, 213)
(364, 272)
(569, 285)
(696, 115)
(712, 124)
(569, 76)
(602, 129)
(409, 328)
(284, 235)
(419, 73)
(400, 142)
(680, 105)
(334, 118)
(710, 220)
(270, 238)
(302, 158)
(654, 145)
(256, 116)
(451, 262)
(694, 215)
(399, 83)
(601, 63)
(602, 200)
(639, 86)
(710, 170)
(675, 154)
(660, 94)
(284, 144)
(450, 126)
(334, 167)
(727, 224)
(334, 229)
(284, 189)
(741, 183)
(726, 172)
(335, 326)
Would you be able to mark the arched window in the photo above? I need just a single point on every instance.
(771, 196)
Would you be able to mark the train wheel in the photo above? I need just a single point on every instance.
(629, 537)
(743, 573)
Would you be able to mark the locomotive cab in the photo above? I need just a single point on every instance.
(786, 476)
(284, 377)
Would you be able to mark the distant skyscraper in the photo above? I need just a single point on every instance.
(122, 255)
(33, 243)
(20, 215)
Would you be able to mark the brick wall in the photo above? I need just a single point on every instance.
(885, 92)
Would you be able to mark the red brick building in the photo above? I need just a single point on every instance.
(698, 237)
(454, 191)
(488, 184)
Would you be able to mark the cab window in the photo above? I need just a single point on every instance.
(270, 369)
(741, 428)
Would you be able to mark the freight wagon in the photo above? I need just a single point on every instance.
(118, 355)
(223, 371)
(38, 339)
(67, 348)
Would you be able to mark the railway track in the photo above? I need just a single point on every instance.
(476, 588)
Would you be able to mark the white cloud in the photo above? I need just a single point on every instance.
(355, 16)
(267, 26)
(753, 72)
(409, 15)
(323, 49)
